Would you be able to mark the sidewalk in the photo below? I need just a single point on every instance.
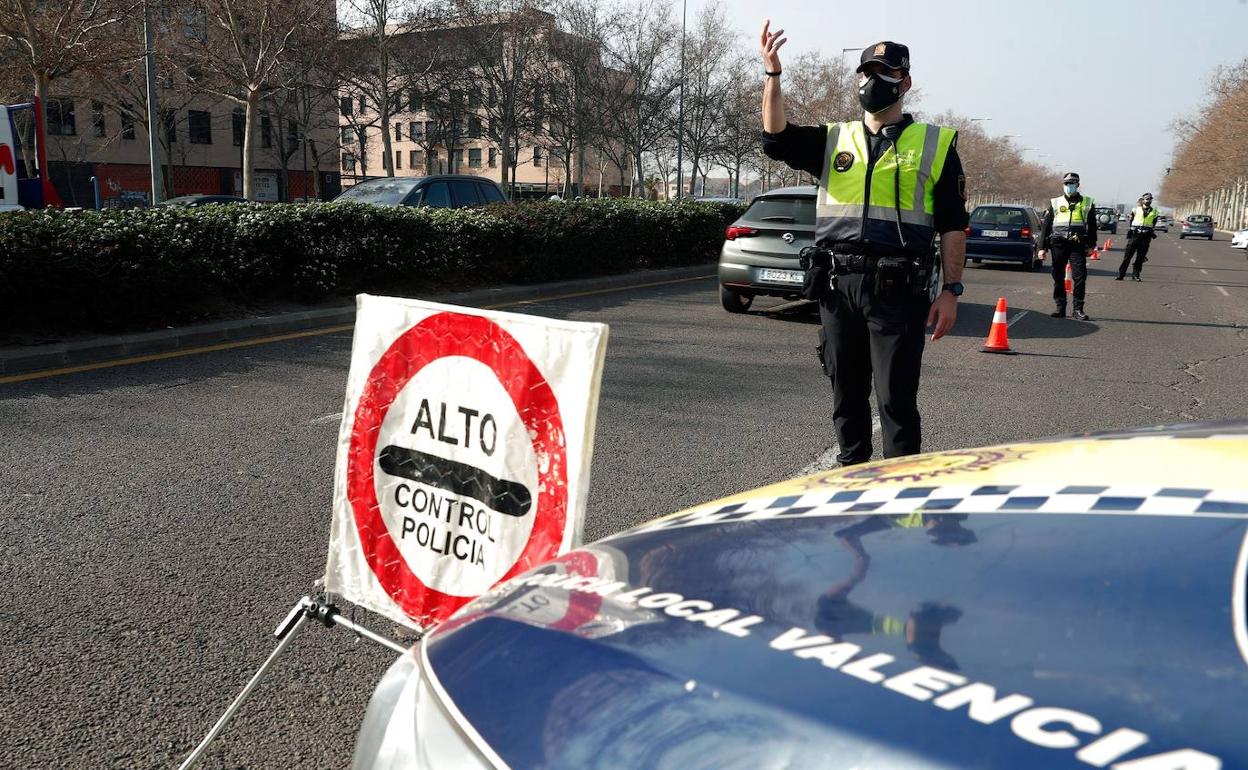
(29, 359)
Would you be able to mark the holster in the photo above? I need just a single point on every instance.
(818, 266)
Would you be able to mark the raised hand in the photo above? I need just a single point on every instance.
(769, 46)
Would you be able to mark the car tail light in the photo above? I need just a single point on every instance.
(968, 229)
(1026, 232)
(736, 231)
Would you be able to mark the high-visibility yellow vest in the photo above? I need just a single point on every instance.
(1141, 219)
(886, 207)
(1071, 218)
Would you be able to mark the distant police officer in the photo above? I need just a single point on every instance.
(1140, 233)
(887, 186)
(1069, 232)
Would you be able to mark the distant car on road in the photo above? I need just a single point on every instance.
(195, 201)
(760, 252)
(442, 191)
(1107, 220)
(1162, 224)
(1240, 239)
(999, 233)
(1197, 226)
(713, 199)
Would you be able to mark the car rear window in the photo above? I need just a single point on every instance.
(996, 215)
(1198, 219)
(783, 210)
(383, 192)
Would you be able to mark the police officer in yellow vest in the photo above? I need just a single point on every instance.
(1069, 232)
(888, 186)
(1140, 234)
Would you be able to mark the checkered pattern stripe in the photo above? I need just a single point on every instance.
(1027, 498)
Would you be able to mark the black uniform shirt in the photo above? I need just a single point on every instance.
(1047, 228)
(802, 148)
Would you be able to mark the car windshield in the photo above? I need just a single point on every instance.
(783, 210)
(1198, 220)
(381, 192)
(997, 215)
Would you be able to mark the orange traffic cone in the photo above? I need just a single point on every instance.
(1096, 255)
(998, 335)
(1070, 280)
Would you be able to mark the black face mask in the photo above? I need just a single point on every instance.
(879, 93)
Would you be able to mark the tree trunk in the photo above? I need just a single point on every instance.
(249, 144)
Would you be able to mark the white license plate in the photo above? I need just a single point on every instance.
(781, 276)
(996, 233)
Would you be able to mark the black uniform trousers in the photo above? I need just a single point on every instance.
(1077, 257)
(1137, 246)
(873, 337)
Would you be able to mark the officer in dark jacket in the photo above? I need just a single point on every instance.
(1140, 234)
(1069, 232)
(888, 186)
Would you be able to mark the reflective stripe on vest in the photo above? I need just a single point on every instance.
(1140, 219)
(1068, 218)
(903, 184)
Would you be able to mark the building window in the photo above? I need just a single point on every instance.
(457, 128)
(474, 98)
(348, 163)
(537, 156)
(98, 129)
(199, 127)
(474, 127)
(414, 159)
(266, 131)
(413, 130)
(347, 137)
(61, 118)
(431, 130)
(398, 160)
(493, 158)
(398, 132)
(414, 100)
(238, 126)
(127, 122)
(433, 161)
(345, 105)
(171, 126)
(363, 104)
(474, 157)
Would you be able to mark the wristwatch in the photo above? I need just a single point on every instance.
(955, 288)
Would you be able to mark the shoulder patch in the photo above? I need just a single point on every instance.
(843, 161)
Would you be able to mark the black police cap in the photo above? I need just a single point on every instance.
(1071, 176)
(895, 56)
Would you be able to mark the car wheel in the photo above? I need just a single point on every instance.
(1181, 237)
(734, 301)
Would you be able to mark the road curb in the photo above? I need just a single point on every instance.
(30, 359)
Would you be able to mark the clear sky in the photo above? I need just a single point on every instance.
(1092, 85)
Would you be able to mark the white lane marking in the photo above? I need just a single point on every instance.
(1224, 292)
(1239, 602)
(335, 417)
(1204, 271)
(1017, 318)
(827, 460)
(1189, 259)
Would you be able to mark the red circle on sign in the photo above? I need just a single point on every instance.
(440, 336)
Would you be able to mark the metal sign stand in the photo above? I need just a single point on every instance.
(323, 612)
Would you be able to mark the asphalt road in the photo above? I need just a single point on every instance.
(158, 520)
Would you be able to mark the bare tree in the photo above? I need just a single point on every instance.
(706, 86)
(739, 141)
(509, 41)
(51, 41)
(643, 100)
(240, 55)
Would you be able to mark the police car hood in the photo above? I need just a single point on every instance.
(954, 610)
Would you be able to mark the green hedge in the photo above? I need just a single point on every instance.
(114, 270)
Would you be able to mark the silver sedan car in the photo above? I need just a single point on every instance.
(760, 253)
(1197, 226)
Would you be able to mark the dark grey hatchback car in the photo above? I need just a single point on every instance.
(760, 253)
(446, 191)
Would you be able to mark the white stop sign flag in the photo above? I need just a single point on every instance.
(464, 453)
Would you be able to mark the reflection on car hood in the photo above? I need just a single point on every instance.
(1056, 604)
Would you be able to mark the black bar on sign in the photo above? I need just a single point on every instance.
(507, 497)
